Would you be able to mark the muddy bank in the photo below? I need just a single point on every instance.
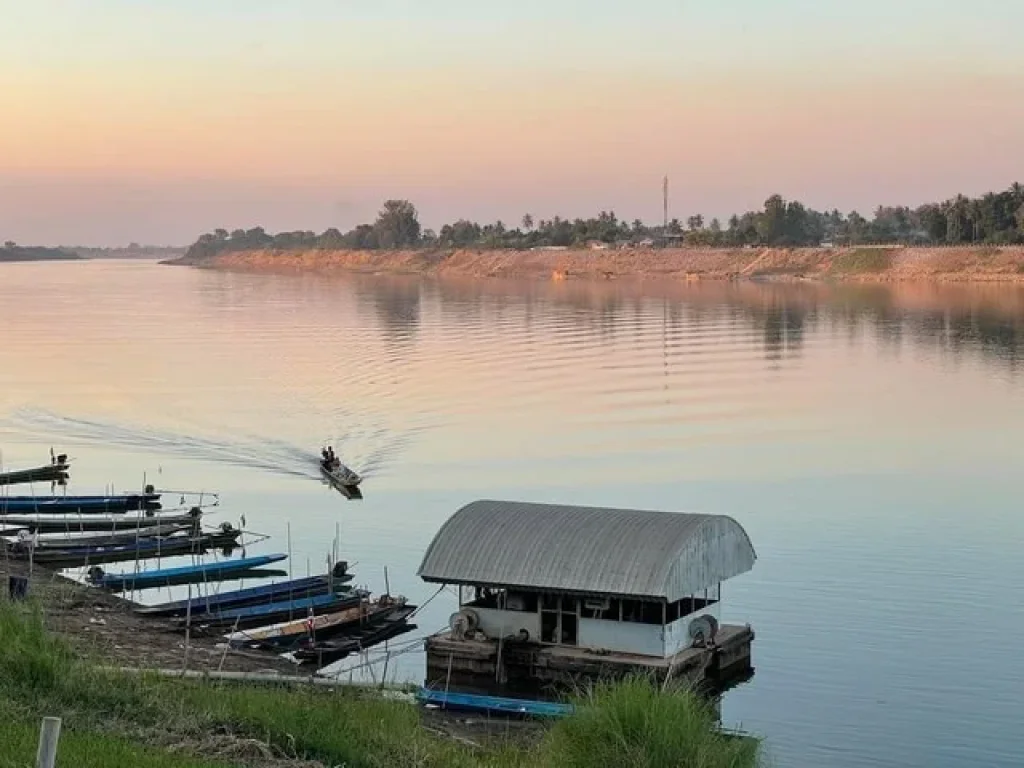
(864, 264)
(103, 628)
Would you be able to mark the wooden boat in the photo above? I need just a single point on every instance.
(56, 470)
(83, 505)
(290, 634)
(330, 651)
(187, 574)
(492, 705)
(144, 549)
(341, 477)
(11, 524)
(64, 540)
(285, 610)
(263, 594)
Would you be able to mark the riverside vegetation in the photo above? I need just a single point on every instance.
(113, 719)
(11, 251)
(995, 218)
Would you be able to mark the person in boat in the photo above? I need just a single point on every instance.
(330, 460)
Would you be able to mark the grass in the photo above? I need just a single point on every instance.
(861, 261)
(633, 724)
(108, 717)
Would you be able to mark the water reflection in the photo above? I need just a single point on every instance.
(957, 319)
(396, 305)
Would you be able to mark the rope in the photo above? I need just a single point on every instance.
(427, 601)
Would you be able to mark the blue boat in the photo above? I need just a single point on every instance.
(186, 574)
(142, 549)
(131, 502)
(265, 593)
(285, 610)
(492, 705)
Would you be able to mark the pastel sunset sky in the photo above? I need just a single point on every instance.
(154, 121)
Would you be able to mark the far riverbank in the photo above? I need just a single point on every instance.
(862, 263)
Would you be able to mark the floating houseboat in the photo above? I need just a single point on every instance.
(552, 594)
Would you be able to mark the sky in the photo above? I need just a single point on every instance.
(155, 120)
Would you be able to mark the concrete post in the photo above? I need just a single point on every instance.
(49, 734)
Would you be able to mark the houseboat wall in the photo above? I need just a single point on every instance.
(496, 623)
(676, 632)
(622, 636)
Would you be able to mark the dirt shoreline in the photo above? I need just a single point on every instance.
(103, 627)
(847, 264)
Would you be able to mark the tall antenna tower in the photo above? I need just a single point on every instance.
(664, 201)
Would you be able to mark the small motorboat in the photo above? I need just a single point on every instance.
(337, 474)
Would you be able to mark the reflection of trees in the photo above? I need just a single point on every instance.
(984, 325)
(397, 306)
(959, 321)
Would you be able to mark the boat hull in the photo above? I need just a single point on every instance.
(492, 705)
(330, 651)
(11, 524)
(46, 473)
(261, 615)
(190, 574)
(144, 549)
(83, 505)
(269, 593)
(290, 635)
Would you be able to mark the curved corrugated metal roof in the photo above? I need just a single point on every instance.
(661, 555)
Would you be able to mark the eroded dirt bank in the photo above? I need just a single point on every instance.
(876, 264)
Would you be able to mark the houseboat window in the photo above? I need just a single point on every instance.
(642, 612)
(521, 601)
(599, 608)
(692, 604)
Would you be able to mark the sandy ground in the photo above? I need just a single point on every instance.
(972, 264)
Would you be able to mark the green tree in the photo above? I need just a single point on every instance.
(528, 222)
(331, 240)
(771, 225)
(695, 222)
(397, 225)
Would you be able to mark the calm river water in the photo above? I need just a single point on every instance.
(869, 439)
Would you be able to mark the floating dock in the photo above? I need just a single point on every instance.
(487, 665)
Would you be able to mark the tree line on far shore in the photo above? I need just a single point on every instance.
(11, 251)
(994, 218)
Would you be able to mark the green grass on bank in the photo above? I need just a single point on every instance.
(117, 720)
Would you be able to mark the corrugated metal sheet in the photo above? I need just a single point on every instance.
(594, 550)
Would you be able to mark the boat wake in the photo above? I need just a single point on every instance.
(368, 450)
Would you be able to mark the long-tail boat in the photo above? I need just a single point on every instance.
(84, 505)
(68, 523)
(144, 549)
(262, 594)
(285, 610)
(327, 652)
(186, 574)
(291, 634)
(56, 470)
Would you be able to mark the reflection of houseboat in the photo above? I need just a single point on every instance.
(551, 593)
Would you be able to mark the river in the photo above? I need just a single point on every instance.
(868, 439)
